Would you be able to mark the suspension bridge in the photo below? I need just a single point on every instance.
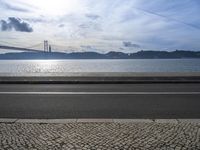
(39, 47)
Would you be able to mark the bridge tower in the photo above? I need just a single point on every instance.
(50, 49)
(46, 46)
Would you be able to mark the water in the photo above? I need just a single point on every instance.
(64, 66)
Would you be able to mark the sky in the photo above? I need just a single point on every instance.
(101, 25)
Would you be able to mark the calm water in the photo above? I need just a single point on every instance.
(138, 65)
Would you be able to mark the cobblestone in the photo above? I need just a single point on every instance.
(100, 136)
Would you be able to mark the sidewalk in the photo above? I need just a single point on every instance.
(97, 134)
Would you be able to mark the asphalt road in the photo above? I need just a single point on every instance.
(100, 101)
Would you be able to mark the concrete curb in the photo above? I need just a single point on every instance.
(65, 121)
(133, 121)
(7, 120)
(168, 121)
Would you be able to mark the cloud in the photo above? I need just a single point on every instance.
(169, 18)
(130, 44)
(61, 25)
(4, 25)
(16, 24)
(35, 20)
(12, 7)
(90, 26)
(92, 16)
(84, 26)
(87, 47)
(92, 48)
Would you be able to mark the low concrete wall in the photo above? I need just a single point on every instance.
(103, 74)
(101, 78)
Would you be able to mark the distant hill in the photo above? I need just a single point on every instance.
(178, 54)
(165, 54)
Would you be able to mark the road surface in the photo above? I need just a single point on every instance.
(50, 101)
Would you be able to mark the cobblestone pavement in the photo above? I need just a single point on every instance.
(97, 136)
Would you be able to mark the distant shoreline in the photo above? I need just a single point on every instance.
(178, 54)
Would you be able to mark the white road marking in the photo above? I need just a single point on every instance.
(99, 93)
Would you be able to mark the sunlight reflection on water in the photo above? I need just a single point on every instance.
(138, 65)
